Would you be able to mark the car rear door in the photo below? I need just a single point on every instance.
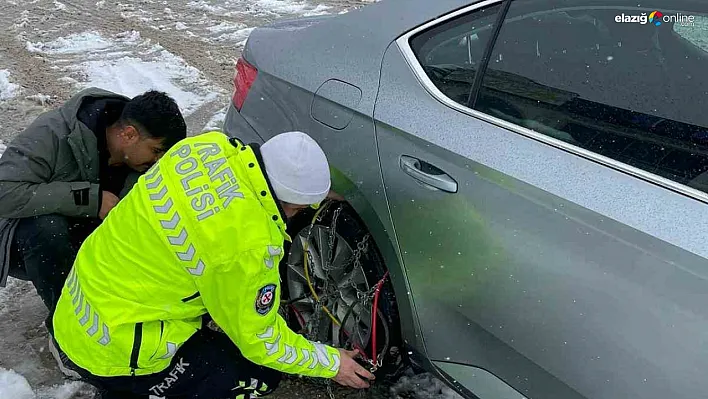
(551, 214)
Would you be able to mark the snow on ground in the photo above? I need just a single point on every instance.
(292, 7)
(39, 98)
(422, 386)
(128, 64)
(3, 147)
(67, 390)
(205, 6)
(230, 32)
(74, 44)
(27, 369)
(259, 7)
(240, 36)
(225, 27)
(8, 90)
(269, 9)
(217, 121)
(15, 386)
(214, 21)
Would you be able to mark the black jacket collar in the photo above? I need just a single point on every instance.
(257, 152)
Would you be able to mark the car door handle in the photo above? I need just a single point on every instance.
(428, 174)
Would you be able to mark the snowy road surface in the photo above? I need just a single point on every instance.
(50, 49)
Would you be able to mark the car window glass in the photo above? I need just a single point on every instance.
(603, 80)
(450, 53)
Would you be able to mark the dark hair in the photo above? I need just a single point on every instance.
(156, 115)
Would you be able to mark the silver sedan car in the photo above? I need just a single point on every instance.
(525, 185)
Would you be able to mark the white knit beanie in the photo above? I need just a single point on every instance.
(297, 168)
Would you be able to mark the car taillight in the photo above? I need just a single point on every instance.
(243, 79)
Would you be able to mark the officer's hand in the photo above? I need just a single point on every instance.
(108, 202)
(351, 374)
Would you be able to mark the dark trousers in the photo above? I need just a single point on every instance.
(44, 249)
(207, 366)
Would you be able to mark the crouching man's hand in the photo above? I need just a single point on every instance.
(108, 202)
(351, 374)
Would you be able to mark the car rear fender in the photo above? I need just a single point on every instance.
(379, 226)
(274, 106)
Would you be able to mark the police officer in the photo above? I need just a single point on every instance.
(201, 232)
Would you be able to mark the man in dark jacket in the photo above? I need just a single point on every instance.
(63, 174)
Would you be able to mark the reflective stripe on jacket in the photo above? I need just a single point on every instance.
(199, 233)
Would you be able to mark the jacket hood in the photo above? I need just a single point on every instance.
(71, 107)
(82, 140)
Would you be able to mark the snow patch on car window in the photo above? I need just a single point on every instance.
(696, 33)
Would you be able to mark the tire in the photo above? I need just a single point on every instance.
(349, 233)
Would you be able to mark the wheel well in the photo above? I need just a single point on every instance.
(349, 224)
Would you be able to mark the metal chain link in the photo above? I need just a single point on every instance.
(312, 327)
(361, 247)
(333, 230)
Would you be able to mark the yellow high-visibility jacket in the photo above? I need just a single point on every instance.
(199, 232)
